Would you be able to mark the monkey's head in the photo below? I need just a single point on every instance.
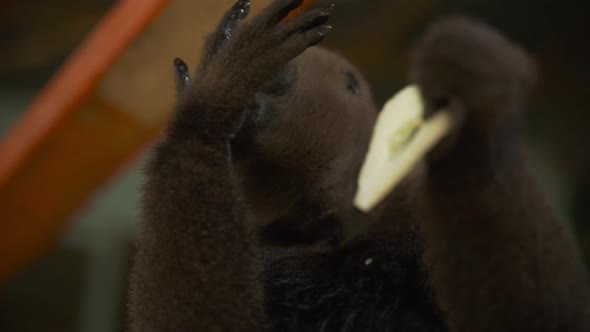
(300, 151)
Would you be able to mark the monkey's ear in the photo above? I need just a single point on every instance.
(181, 75)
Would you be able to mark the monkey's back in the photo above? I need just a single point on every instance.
(371, 285)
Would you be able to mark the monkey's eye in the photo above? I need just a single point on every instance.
(352, 83)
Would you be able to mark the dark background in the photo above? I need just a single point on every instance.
(80, 284)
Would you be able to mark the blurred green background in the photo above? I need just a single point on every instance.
(81, 284)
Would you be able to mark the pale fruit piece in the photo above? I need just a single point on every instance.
(401, 138)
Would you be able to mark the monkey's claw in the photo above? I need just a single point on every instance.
(181, 75)
(240, 10)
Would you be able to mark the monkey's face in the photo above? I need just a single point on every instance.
(305, 140)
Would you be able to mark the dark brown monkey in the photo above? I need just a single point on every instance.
(248, 222)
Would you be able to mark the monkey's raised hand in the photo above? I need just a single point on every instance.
(239, 60)
(224, 32)
(483, 78)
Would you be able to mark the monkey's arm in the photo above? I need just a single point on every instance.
(196, 262)
(197, 266)
(499, 259)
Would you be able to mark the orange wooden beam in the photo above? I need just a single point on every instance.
(44, 153)
(75, 81)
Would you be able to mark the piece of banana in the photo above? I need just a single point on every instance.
(401, 138)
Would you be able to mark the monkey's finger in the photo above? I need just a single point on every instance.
(240, 10)
(225, 30)
(299, 42)
(236, 14)
(278, 10)
(317, 35)
(181, 75)
(307, 21)
(297, 11)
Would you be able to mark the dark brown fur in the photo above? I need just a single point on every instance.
(248, 223)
